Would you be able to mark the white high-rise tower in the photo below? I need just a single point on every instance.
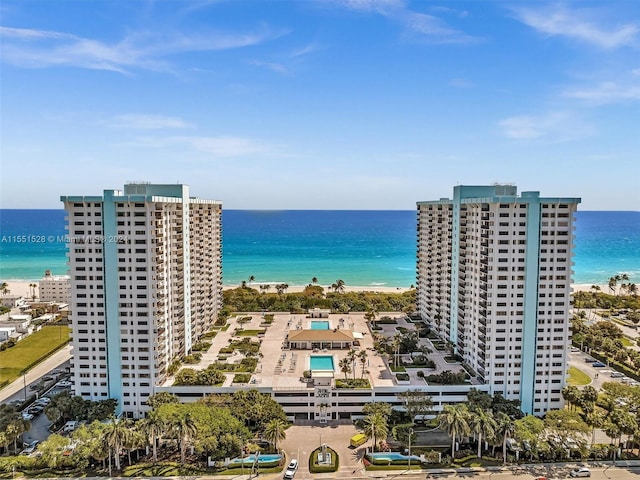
(494, 279)
(146, 283)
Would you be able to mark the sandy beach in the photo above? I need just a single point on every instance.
(22, 288)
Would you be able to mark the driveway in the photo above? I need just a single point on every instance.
(303, 439)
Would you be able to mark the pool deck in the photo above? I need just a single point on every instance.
(283, 369)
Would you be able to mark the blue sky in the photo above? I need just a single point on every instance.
(350, 104)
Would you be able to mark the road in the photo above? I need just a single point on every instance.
(523, 473)
(33, 376)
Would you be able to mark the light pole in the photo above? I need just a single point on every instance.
(409, 461)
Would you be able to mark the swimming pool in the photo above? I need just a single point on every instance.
(249, 459)
(321, 362)
(319, 325)
(391, 456)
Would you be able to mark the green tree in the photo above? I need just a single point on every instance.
(161, 398)
(529, 430)
(4, 288)
(382, 408)
(454, 419)
(375, 427)
(115, 435)
(479, 400)
(153, 427)
(184, 428)
(571, 395)
(275, 431)
(363, 357)
(52, 450)
(338, 287)
(345, 366)
(505, 429)
(484, 425)
(415, 402)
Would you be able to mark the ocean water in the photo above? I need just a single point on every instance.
(367, 248)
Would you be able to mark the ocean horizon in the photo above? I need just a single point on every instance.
(362, 247)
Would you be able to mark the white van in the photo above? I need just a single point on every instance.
(70, 426)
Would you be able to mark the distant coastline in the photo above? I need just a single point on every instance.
(372, 249)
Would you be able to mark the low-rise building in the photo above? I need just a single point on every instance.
(55, 288)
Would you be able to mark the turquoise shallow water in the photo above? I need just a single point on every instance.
(368, 248)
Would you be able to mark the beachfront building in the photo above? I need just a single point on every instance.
(494, 273)
(146, 283)
(54, 288)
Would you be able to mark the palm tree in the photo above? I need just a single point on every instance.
(274, 431)
(184, 427)
(375, 427)
(115, 435)
(506, 429)
(4, 288)
(32, 287)
(395, 344)
(251, 279)
(153, 426)
(362, 356)
(351, 357)
(372, 314)
(455, 420)
(345, 366)
(595, 420)
(613, 283)
(339, 286)
(483, 424)
(571, 394)
(314, 280)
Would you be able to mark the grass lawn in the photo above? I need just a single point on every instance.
(250, 333)
(33, 348)
(578, 377)
(627, 342)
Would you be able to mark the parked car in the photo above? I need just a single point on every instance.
(598, 365)
(580, 472)
(27, 416)
(590, 360)
(64, 384)
(36, 409)
(617, 375)
(291, 470)
(31, 447)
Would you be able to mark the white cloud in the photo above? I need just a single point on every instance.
(580, 24)
(146, 122)
(553, 126)
(215, 146)
(427, 26)
(144, 50)
(605, 93)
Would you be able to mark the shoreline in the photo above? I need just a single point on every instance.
(21, 287)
